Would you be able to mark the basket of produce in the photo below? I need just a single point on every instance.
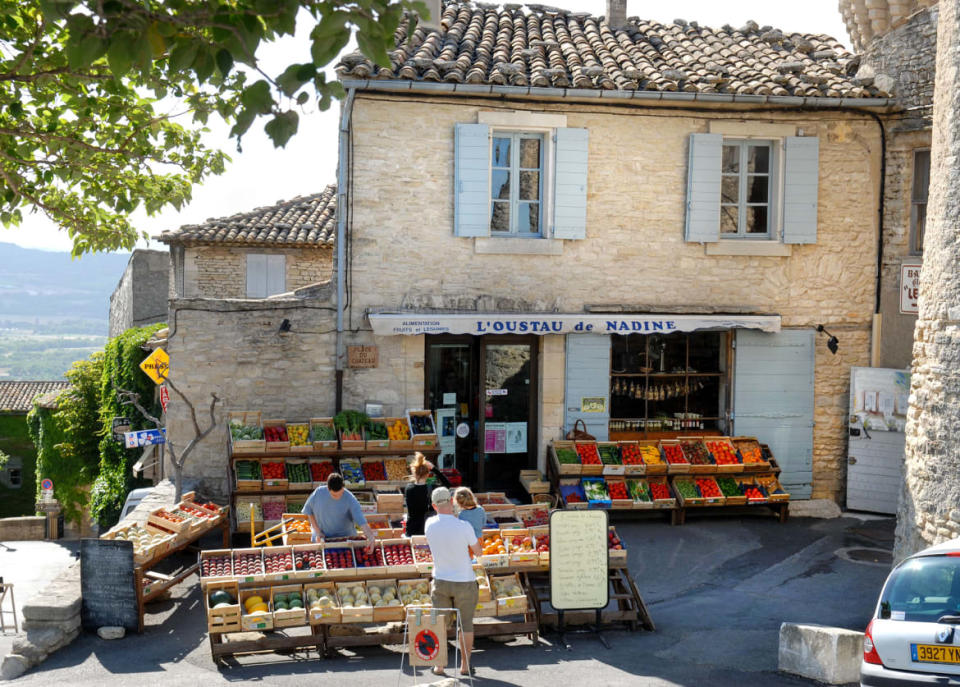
(216, 565)
(695, 451)
(414, 593)
(571, 493)
(506, 519)
(246, 432)
(775, 491)
(660, 492)
(687, 493)
(248, 565)
(323, 435)
(620, 497)
(355, 606)
(222, 601)
(423, 430)
(298, 475)
(296, 529)
(653, 460)
(724, 454)
(338, 560)
(148, 542)
(492, 499)
(308, 561)
(398, 431)
(374, 471)
(295, 503)
(376, 434)
(398, 555)
(677, 463)
(385, 600)
(164, 519)
(753, 492)
(352, 473)
(398, 470)
(565, 459)
(274, 472)
(422, 555)
(248, 475)
(610, 457)
(541, 537)
(211, 511)
(366, 499)
(275, 434)
(731, 491)
(483, 583)
(299, 436)
(595, 489)
(380, 524)
(616, 549)
(751, 454)
(507, 590)
(320, 470)
(350, 424)
(278, 563)
(639, 492)
(288, 608)
(520, 548)
(256, 616)
(534, 515)
(323, 607)
(590, 463)
(631, 458)
(710, 491)
(241, 512)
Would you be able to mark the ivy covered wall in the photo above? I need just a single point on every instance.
(15, 442)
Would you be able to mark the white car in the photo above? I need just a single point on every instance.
(914, 635)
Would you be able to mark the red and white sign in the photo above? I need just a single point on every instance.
(164, 397)
(909, 287)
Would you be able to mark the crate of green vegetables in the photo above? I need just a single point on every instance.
(610, 457)
(730, 488)
(323, 435)
(246, 432)
(565, 458)
(298, 475)
(376, 435)
(249, 477)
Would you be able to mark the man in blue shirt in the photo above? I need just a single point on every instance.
(335, 513)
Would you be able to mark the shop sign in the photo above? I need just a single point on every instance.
(909, 287)
(157, 366)
(145, 437)
(478, 324)
(362, 356)
(164, 397)
(119, 427)
(496, 392)
(596, 404)
(579, 575)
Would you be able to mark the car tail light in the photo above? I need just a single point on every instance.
(870, 654)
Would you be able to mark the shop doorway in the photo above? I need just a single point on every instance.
(484, 393)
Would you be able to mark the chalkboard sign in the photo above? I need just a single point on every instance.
(107, 584)
(579, 562)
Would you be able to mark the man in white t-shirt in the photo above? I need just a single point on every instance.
(454, 585)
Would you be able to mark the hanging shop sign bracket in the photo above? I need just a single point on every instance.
(478, 324)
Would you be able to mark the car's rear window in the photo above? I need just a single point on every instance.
(923, 589)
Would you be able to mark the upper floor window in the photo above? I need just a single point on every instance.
(746, 189)
(266, 275)
(516, 175)
(918, 199)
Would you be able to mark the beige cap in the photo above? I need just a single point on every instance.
(440, 495)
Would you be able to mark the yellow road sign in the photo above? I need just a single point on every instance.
(157, 365)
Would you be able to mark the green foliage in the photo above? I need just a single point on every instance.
(15, 444)
(81, 135)
(121, 371)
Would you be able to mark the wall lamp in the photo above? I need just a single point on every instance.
(833, 343)
(285, 326)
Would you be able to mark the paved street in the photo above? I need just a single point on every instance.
(717, 588)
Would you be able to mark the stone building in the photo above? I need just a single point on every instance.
(633, 224)
(141, 296)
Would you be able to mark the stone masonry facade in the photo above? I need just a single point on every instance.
(141, 295)
(211, 271)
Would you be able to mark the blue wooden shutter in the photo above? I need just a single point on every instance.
(587, 375)
(703, 188)
(472, 180)
(570, 184)
(773, 400)
(801, 165)
(256, 275)
(276, 274)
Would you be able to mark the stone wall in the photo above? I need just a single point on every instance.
(141, 296)
(221, 271)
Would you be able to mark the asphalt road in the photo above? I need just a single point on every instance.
(717, 588)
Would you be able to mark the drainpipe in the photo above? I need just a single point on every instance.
(342, 176)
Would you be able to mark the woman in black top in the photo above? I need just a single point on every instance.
(417, 494)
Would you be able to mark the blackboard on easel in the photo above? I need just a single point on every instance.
(107, 584)
(579, 560)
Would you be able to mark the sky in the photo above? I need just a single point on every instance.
(262, 175)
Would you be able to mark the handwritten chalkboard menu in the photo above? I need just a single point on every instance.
(579, 561)
(107, 584)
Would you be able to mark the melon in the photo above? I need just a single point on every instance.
(251, 602)
(220, 597)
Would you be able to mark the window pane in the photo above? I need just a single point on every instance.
(499, 216)
(501, 152)
(757, 219)
(921, 174)
(500, 185)
(529, 185)
(730, 189)
(759, 160)
(530, 153)
(731, 159)
(728, 219)
(757, 189)
(920, 223)
(528, 218)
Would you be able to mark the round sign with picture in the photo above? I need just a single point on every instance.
(47, 484)
(426, 645)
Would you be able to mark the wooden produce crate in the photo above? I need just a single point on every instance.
(631, 458)
(368, 464)
(687, 501)
(493, 498)
(367, 501)
(252, 484)
(565, 469)
(514, 540)
(273, 507)
(670, 447)
(303, 429)
(541, 537)
(693, 445)
(254, 573)
(710, 500)
(293, 525)
(513, 604)
(318, 614)
(534, 482)
(775, 491)
(662, 502)
(298, 467)
(400, 545)
(751, 454)
(335, 572)
(308, 562)
(351, 444)
(389, 501)
(714, 445)
(282, 569)
(296, 503)
(534, 515)
(406, 586)
(422, 439)
(250, 418)
(494, 552)
(317, 471)
(748, 482)
(619, 504)
(376, 443)
(485, 609)
(255, 622)
(165, 520)
(352, 473)
(242, 512)
(422, 556)
(398, 471)
(276, 446)
(638, 503)
(387, 587)
(592, 470)
(654, 462)
(483, 584)
(506, 518)
(616, 556)
(571, 494)
(289, 617)
(593, 487)
(274, 483)
(737, 499)
(610, 451)
(380, 524)
(196, 523)
(206, 558)
(353, 614)
(399, 444)
(323, 445)
(215, 517)
(225, 618)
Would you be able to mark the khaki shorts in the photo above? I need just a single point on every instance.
(460, 595)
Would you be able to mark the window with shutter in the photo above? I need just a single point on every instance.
(266, 275)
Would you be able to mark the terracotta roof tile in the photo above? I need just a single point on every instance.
(548, 47)
(17, 397)
(301, 221)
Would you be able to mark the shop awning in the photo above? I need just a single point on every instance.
(478, 324)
